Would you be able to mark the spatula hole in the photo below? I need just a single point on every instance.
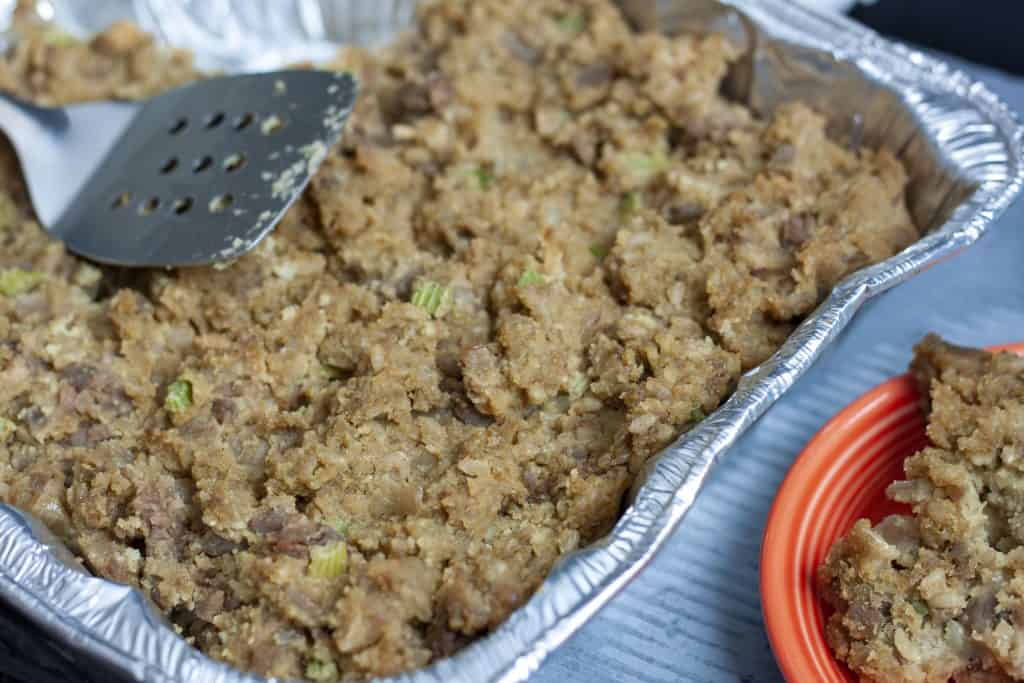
(202, 164)
(215, 120)
(149, 206)
(272, 124)
(169, 166)
(182, 206)
(120, 200)
(234, 162)
(221, 203)
(179, 126)
(244, 121)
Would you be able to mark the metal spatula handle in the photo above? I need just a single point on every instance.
(60, 149)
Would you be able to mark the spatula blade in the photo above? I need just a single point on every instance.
(206, 171)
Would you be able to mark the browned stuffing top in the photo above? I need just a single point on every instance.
(546, 247)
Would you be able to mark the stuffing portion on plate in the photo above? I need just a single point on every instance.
(938, 594)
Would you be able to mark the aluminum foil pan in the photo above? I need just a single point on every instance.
(965, 153)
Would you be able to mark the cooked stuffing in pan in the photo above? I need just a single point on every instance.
(546, 247)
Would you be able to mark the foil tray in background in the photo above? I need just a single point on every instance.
(965, 153)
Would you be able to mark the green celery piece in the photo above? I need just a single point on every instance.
(15, 281)
(484, 178)
(179, 396)
(573, 22)
(328, 561)
(7, 429)
(59, 38)
(630, 203)
(531, 277)
(321, 670)
(431, 297)
(647, 165)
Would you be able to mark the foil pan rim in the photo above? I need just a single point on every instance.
(31, 574)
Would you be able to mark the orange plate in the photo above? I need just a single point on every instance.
(840, 477)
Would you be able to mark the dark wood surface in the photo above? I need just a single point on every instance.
(982, 31)
(27, 655)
